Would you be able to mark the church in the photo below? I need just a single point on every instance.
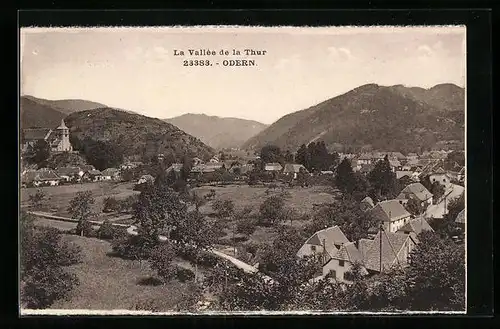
(58, 138)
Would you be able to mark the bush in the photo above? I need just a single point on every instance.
(184, 274)
(271, 210)
(84, 228)
(110, 204)
(223, 208)
(106, 231)
(161, 261)
(246, 226)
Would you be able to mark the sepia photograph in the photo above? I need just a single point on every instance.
(242, 170)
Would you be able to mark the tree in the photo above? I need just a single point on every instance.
(288, 157)
(344, 180)
(437, 191)
(80, 207)
(110, 204)
(302, 156)
(161, 258)
(38, 153)
(271, 210)
(383, 180)
(289, 214)
(414, 207)
(246, 226)
(102, 154)
(37, 199)
(195, 234)
(454, 161)
(106, 230)
(223, 208)
(271, 153)
(436, 277)
(44, 257)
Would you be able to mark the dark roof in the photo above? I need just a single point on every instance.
(39, 175)
(415, 190)
(35, 134)
(391, 245)
(94, 172)
(460, 217)
(389, 211)
(349, 252)
(416, 226)
(67, 171)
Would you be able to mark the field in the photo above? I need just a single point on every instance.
(60, 196)
(300, 199)
(111, 283)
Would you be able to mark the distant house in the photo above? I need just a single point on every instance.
(441, 177)
(93, 175)
(416, 225)
(145, 179)
(386, 250)
(176, 167)
(367, 204)
(214, 159)
(395, 164)
(415, 191)
(365, 159)
(197, 161)
(342, 262)
(366, 168)
(131, 165)
(42, 177)
(327, 172)
(392, 214)
(69, 174)
(292, 169)
(111, 174)
(85, 168)
(273, 167)
(355, 164)
(400, 174)
(57, 139)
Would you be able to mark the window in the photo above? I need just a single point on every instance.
(313, 248)
(341, 263)
(444, 180)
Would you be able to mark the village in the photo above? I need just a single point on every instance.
(229, 173)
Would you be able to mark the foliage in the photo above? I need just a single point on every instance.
(128, 203)
(38, 153)
(37, 199)
(348, 215)
(271, 210)
(110, 204)
(246, 226)
(437, 191)
(315, 157)
(350, 183)
(106, 230)
(101, 154)
(210, 195)
(161, 258)
(223, 208)
(446, 226)
(414, 207)
(383, 180)
(44, 257)
(454, 161)
(271, 153)
(80, 208)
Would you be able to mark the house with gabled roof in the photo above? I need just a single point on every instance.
(323, 243)
(41, 177)
(417, 192)
(111, 174)
(440, 176)
(69, 174)
(391, 213)
(387, 250)
(342, 262)
(292, 169)
(273, 167)
(461, 218)
(367, 204)
(416, 225)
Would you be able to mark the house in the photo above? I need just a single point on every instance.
(392, 214)
(58, 138)
(327, 172)
(273, 167)
(342, 262)
(404, 173)
(365, 159)
(70, 174)
(366, 168)
(131, 165)
(461, 175)
(145, 179)
(86, 168)
(111, 174)
(416, 225)
(441, 177)
(386, 250)
(395, 164)
(323, 243)
(42, 177)
(415, 191)
(292, 169)
(367, 203)
(214, 159)
(206, 168)
(396, 155)
(93, 175)
(355, 165)
(176, 167)
(461, 220)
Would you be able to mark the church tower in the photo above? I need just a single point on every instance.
(63, 134)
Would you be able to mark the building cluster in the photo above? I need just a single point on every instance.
(57, 138)
(67, 175)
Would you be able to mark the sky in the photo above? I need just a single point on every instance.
(135, 68)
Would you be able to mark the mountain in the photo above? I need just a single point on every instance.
(216, 131)
(67, 106)
(137, 135)
(395, 118)
(35, 114)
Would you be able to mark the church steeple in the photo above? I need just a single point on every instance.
(63, 125)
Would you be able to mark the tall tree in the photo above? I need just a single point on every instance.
(102, 154)
(271, 153)
(344, 180)
(80, 207)
(301, 156)
(38, 153)
(383, 179)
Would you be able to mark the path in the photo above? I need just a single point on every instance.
(438, 210)
(132, 230)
